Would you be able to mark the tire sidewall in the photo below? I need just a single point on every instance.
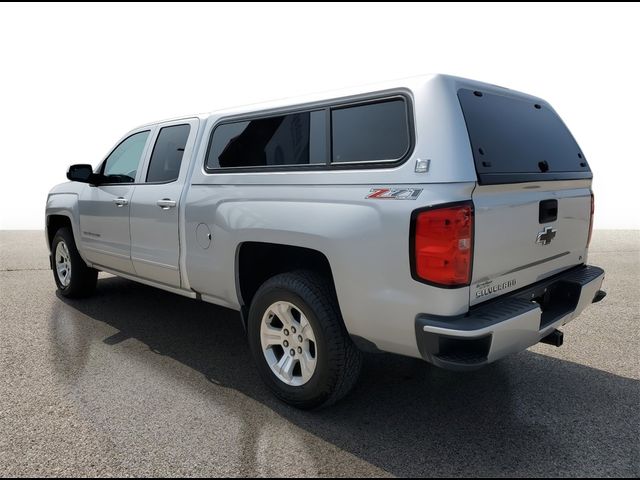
(319, 384)
(62, 236)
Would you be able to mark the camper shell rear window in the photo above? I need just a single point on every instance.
(514, 139)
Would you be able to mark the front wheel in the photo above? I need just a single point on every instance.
(73, 277)
(299, 342)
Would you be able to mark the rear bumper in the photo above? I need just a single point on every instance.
(510, 323)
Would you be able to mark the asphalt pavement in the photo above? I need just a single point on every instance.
(139, 382)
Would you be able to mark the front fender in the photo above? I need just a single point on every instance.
(64, 204)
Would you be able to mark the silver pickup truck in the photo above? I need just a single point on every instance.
(434, 217)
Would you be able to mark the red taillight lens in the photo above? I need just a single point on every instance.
(443, 245)
(591, 220)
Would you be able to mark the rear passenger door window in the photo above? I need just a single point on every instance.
(370, 132)
(168, 151)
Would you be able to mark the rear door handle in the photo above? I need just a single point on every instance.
(120, 202)
(166, 203)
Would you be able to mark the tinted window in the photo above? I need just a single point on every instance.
(167, 153)
(516, 140)
(121, 165)
(295, 139)
(376, 131)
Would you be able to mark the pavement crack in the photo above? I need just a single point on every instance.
(22, 269)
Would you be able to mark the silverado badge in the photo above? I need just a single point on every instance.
(486, 288)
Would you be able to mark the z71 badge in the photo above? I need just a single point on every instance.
(394, 193)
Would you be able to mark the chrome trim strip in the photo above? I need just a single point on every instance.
(155, 264)
(104, 252)
(523, 267)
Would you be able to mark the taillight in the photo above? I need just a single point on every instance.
(591, 220)
(442, 245)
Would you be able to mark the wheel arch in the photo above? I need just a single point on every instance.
(256, 262)
(54, 223)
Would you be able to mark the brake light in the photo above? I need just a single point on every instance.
(443, 245)
(591, 220)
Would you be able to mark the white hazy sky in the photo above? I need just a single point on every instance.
(74, 78)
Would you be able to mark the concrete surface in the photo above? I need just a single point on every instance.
(135, 381)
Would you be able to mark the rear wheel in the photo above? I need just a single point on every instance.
(73, 277)
(288, 343)
(299, 342)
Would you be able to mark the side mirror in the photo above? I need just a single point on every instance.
(83, 173)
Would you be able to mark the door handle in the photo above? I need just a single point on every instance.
(166, 203)
(120, 202)
(548, 211)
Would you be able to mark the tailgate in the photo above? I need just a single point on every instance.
(513, 247)
(533, 198)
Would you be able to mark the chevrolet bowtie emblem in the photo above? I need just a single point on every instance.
(545, 236)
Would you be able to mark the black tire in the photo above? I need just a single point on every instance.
(83, 279)
(338, 359)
